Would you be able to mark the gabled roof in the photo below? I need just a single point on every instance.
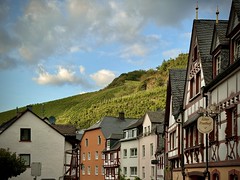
(156, 116)
(204, 32)
(109, 125)
(65, 130)
(219, 35)
(177, 79)
(234, 16)
(135, 124)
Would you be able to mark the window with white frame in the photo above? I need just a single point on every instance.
(89, 170)
(152, 171)
(125, 170)
(26, 159)
(151, 149)
(83, 156)
(133, 152)
(218, 64)
(89, 156)
(96, 155)
(133, 171)
(143, 150)
(96, 170)
(143, 172)
(124, 153)
(108, 144)
(83, 170)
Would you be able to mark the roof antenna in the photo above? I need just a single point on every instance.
(197, 11)
(217, 13)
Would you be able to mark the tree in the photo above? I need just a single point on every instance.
(10, 164)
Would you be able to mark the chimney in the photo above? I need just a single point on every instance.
(121, 116)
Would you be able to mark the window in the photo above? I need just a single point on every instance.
(218, 64)
(26, 159)
(133, 171)
(231, 128)
(86, 142)
(148, 129)
(89, 156)
(102, 170)
(83, 170)
(152, 171)
(125, 153)
(111, 156)
(108, 144)
(195, 84)
(124, 134)
(125, 170)
(143, 172)
(195, 55)
(145, 131)
(133, 133)
(96, 155)
(151, 149)
(213, 136)
(89, 170)
(133, 152)
(84, 156)
(237, 50)
(173, 140)
(143, 150)
(99, 140)
(25, 134)
(96, 170)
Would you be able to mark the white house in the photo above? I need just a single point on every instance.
(36, 140)
(130, 150)
(148, 146)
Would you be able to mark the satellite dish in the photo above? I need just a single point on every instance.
(52, 120)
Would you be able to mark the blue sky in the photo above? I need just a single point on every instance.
(59, 48)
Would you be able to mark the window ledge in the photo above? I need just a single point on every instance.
(194, 97)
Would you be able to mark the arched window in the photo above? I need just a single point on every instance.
(215, 175)
(234, 174)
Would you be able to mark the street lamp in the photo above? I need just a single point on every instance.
(205, 125)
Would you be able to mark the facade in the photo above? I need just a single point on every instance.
(130, 150)
(224, 92)
(112, 157)
(35, 140)
(93, 144)
(148, 145)
(211, 90)
(173, 123)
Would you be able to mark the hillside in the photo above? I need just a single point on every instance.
(133, 93)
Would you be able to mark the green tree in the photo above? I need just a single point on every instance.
(10, 164)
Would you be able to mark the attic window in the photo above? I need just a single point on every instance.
(25, 134)
(195, 55)
(237, 50)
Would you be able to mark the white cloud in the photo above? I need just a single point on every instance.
(82, 69)
(134, 50)
(61, 77)
(103, 77)
(172, 53)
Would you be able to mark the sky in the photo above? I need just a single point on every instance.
(52, 49)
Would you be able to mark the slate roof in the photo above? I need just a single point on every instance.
(109, 125)
(177, 78)
(135, 124)
(156, 116)
(204, 33)
(66, 130)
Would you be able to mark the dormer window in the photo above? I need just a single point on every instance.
(218, 64)
(237, 50)
(195, 85)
